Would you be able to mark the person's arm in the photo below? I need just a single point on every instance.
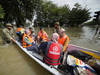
(27, 41)
(61, 56)
(66, 44)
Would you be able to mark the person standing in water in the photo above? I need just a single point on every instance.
(8, 34)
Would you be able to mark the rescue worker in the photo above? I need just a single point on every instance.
(20, 31)
(52, 51)
(28, 43)
(32, 33)
(42, 36)
(63, 39)
(8, 33)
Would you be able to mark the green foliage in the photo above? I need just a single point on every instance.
(47, 13)
(78, 15)
(18, 10)
(1, 12)
(50, 13)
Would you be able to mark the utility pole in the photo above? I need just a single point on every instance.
(97, 20)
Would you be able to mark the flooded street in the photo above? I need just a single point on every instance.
(13, 61)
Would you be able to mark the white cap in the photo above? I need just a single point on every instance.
(62, 30)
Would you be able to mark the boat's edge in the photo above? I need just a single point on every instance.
(50, 69)
(86, 48)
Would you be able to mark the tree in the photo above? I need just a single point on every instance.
(78, 15)
(18, 10)
(1, 12)
(49, 13)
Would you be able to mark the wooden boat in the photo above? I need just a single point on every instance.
(84, 53)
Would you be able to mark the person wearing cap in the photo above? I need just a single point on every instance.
(57, 27)
(63, 39)
(8, 33)
(52, 51)
(42, 36)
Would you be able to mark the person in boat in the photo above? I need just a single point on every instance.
(8, 34)
(28, 42)
(42, 36)
(20, 31)
(52, 51)
(63, 39)
(57, 27)
(32, 33)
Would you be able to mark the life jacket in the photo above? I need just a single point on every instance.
(43, 35)
(62, 40)
(52, 57)
(24, 43)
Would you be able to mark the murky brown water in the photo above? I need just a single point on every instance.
(13, 61)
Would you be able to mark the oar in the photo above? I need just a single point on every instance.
(64, 57)
(92, 54)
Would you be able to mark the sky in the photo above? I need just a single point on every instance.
(93, 5)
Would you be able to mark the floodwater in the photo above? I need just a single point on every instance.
(13, 61)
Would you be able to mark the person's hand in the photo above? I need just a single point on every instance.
(13, 40)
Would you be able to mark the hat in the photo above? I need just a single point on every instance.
(57, 23)
(8, 24)
(62, 30)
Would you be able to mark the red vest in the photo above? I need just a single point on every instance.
(53, 55)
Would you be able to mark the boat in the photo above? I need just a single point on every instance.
(39, 60)
(80, 52)
(89, 56)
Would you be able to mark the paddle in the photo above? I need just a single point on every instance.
(64, 58)
(65, 54)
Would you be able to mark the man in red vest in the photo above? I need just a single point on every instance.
(52, 51)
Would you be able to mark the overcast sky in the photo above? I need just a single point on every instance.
(93, 5)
